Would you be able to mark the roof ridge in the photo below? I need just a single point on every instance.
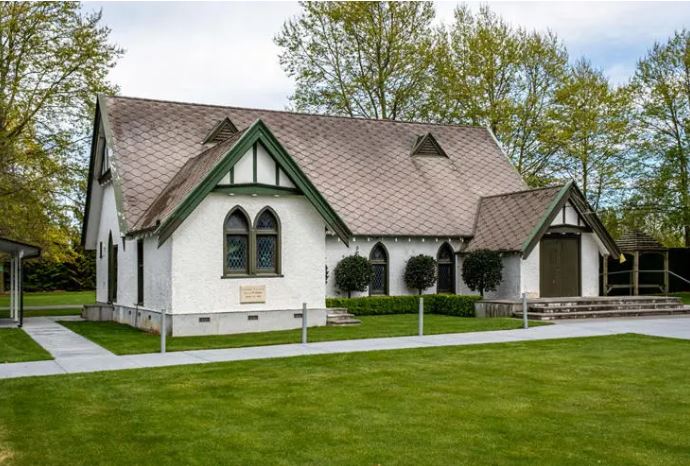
(342, 117)
(559, 186)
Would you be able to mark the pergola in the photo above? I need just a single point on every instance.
(637, 244)
(17, 252)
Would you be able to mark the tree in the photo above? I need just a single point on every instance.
(661, 89)
(353, 273)
(488, 73)
(53, 60)
(420, 272)
(589, 128)
(360, 59)
(482, 270)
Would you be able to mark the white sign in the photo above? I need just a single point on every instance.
(250, 294)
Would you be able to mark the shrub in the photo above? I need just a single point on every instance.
(481, 270)
(420, 272)
(450, 304)
(353, 273)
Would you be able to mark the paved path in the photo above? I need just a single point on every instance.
(75, 354)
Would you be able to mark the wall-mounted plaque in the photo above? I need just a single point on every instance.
(250, 294)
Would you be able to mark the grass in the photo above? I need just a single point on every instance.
(17, 346)
(123, 339)
(53, 298)
(605, 400)
(684, 296)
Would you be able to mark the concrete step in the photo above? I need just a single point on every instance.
(340, 317)
(605, 314)
(603, 300)
(605, 307)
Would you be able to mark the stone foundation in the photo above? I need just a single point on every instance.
(212, 323)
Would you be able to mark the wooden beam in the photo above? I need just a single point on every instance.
(605, 275)
(666, 280)
(636, 273)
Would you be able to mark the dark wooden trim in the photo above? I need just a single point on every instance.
(254, 157)
(254, 188)
(105, 177)
(140, 272)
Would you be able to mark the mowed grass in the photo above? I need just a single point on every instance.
(604, 400)
(17, 346)
(53, 298)
(123, 339)
(684, 296)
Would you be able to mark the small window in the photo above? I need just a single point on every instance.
(236, 242)
(140, 272)
(379, 268)
(267, 238)
(446, 269)
(100, 250)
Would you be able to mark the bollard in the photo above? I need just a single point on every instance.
(304, 323)
(163, 330)
(421, 316)
(525, 323)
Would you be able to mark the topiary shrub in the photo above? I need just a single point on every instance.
(420, 272)
(481, 270)
(353, 273)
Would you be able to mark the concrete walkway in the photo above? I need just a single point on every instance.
(75, 354)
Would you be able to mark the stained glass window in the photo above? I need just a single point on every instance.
(236, 242)
(446, 269)
(379, 267)
(266, 253)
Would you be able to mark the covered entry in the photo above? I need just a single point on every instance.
(559, 266)
(17, 253)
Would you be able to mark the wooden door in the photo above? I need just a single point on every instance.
(559, 268)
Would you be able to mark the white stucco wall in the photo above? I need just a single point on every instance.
(265, 170)
(589, 268)
(399, 251)
(197, 257)
(529, 274)
(107, 224)
(157, 276)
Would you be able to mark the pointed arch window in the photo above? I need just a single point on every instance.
(379, 268)
(236, 244)
(446, 269)
(267, 231)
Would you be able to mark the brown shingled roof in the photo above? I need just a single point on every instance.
(505, 222)
(362, 167)
(638, 241)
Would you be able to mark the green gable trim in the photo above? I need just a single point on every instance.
(257, 132)
(254, 188)
(571, 192)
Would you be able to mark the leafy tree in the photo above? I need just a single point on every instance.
(588, 130)
(482, 270)
(353, 273)
(364, 59)
(53, 60)
(420, 272)
(489, 73)
(661, 90)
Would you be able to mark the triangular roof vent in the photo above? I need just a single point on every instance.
(427, 145)
(220, 131)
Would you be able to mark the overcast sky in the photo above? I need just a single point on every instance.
(223, 53)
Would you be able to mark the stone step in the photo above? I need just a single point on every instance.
(603, 301)
(604, 307)
(340, 317)
(604, 314)
(343, 323)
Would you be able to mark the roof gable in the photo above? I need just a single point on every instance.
(428, 146)
(517, 221)
(201, 175)
(220, 132)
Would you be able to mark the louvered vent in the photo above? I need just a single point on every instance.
(427, 146)
(220, 132)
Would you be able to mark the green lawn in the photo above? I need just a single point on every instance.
(685, 296)
(53, 298)
(123, 339)
(605, 400)
(17, 346)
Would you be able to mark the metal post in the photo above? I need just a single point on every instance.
(421, 316)
(525, 322)
(304, 323)
(20, 289)
(164, 329)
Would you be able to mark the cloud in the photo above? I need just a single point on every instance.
(223, 53)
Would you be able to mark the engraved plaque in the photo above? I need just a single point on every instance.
(252, 294)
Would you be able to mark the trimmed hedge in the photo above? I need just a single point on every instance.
(446, 304)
